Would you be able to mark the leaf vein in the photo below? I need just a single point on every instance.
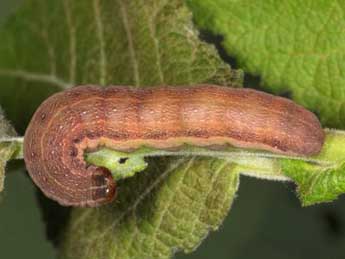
(130, 43)
(72, 41)
(100, 36)
(31, 76)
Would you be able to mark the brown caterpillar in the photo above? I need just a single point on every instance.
(123, 118)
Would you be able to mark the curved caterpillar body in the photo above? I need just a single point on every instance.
(122, 118)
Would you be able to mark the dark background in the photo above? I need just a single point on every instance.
(266, 220)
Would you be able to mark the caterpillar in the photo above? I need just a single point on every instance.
(123, 118)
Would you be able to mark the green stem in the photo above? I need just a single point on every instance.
(259, 164)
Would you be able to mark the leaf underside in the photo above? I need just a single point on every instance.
(320, 182)
(157, 212)
(140, 43)
(7, 148)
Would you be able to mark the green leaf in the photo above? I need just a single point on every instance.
(121, 165)
(51, 45)
(144, 44)
(316, 184)
(294, 46)
(173, 207)
(322, 179)
(9, 146)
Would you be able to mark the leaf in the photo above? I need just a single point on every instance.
(55, 44)
(294, 46)
(316, 184)
(8, 146)
(120, 164)
(320, 182)
(151, 216)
